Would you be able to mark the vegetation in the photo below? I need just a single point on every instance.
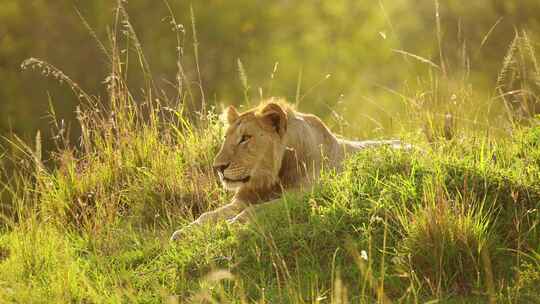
(454, 220)
(345, 56)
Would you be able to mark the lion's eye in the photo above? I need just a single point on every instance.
(244, 139)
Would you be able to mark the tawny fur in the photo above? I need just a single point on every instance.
(270, 149)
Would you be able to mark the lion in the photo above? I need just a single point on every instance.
(271, 149)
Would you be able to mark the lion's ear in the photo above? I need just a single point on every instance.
(274, 115)
(231, 114)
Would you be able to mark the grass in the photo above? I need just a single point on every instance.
(421, 220)
(454, 221)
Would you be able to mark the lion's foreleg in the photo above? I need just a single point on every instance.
(226, 212)
(222, 213)
(249, 213)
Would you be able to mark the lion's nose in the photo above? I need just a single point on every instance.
(221, 167)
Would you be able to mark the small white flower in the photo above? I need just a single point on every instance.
(363, 255)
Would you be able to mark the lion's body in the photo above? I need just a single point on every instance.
(271, 149)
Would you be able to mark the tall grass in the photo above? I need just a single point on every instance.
(456, 220)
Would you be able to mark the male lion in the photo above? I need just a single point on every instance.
(271, 149)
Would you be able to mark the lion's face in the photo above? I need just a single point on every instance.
(253, 148)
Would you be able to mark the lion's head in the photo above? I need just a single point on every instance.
(253, 147)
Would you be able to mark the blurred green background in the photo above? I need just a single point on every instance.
(346, 60)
